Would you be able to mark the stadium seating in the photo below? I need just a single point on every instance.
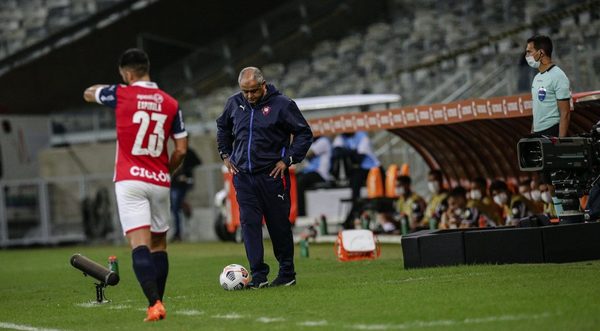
(425, 51)
(24, 22)
(376, 60)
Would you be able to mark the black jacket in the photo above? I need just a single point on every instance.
(255, 138)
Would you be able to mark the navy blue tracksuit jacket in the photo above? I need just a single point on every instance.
(256, 137)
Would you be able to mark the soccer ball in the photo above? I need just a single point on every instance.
(234, 277)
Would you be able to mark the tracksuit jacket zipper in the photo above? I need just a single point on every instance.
(250, 139)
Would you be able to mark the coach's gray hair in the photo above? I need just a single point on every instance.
(257, 75)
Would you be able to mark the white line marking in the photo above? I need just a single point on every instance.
(441, 323)
(427, 278)
(270, 319)
(313, 323)
(230, 316)
(21, 327)
(87, 304)
(118, 307)
(189, 312)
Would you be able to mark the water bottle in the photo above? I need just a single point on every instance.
(323, 226)
(432, 224)
(304, 248)
(404, 224)
(113, 264)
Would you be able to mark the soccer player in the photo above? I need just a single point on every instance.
(145, 117)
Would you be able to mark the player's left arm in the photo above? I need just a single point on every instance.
(89, 94)
(181, 143)
(178, 154)
(565, 117)
(299, 128)
(302, 138)
(563, 97)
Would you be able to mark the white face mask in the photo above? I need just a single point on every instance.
(475, 194)
(501, 199)
(433, 187)
(458, 212)
(532, 62)
(400, 191)
(546, 197)
(536, 195)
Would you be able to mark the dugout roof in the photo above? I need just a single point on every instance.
(467, 138)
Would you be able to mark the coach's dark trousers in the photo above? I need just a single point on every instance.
(261, 195)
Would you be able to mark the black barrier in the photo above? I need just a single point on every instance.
(502, 245)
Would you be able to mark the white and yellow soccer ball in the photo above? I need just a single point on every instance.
(234, 277)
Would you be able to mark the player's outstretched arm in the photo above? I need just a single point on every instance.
(89, 94)
(178, 154)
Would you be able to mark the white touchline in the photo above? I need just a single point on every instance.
(230, 316)
(441, 323)
(189, 312)
(313, 323)
(21, 327)
(270, 319)
(120, 307)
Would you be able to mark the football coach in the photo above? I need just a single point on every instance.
(260, 134)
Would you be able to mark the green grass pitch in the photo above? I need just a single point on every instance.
(39, 290)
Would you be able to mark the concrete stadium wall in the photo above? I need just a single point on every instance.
(98, 158)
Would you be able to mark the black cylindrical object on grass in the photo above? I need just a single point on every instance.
(89, 267)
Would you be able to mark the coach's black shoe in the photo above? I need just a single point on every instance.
(256, 284)
(283, 282)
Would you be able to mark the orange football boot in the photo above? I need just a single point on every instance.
(156, 312)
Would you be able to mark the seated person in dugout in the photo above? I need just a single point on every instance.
(514, 207)
(386, 224)
(546, 197)
(526, 192)
(479, 198)
(316, 170)
(410, 205)
(434, 210)
(458, 215)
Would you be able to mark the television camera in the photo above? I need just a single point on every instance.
(571, 163)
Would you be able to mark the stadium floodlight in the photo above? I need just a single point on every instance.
(104, 276)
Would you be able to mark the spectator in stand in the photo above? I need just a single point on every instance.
(410, 205)
(317, 170)
(354, 150)
(435, 184)
(479, 199)
(459, 215)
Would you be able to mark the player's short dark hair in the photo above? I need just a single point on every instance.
(136, 60)
(498, 185)
(480, 181)
(437, 174)
(404, 180)
(542, 42)
(525, 182)
(458, 192)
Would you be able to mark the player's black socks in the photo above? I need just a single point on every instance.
(145, 271)
(161, 262)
